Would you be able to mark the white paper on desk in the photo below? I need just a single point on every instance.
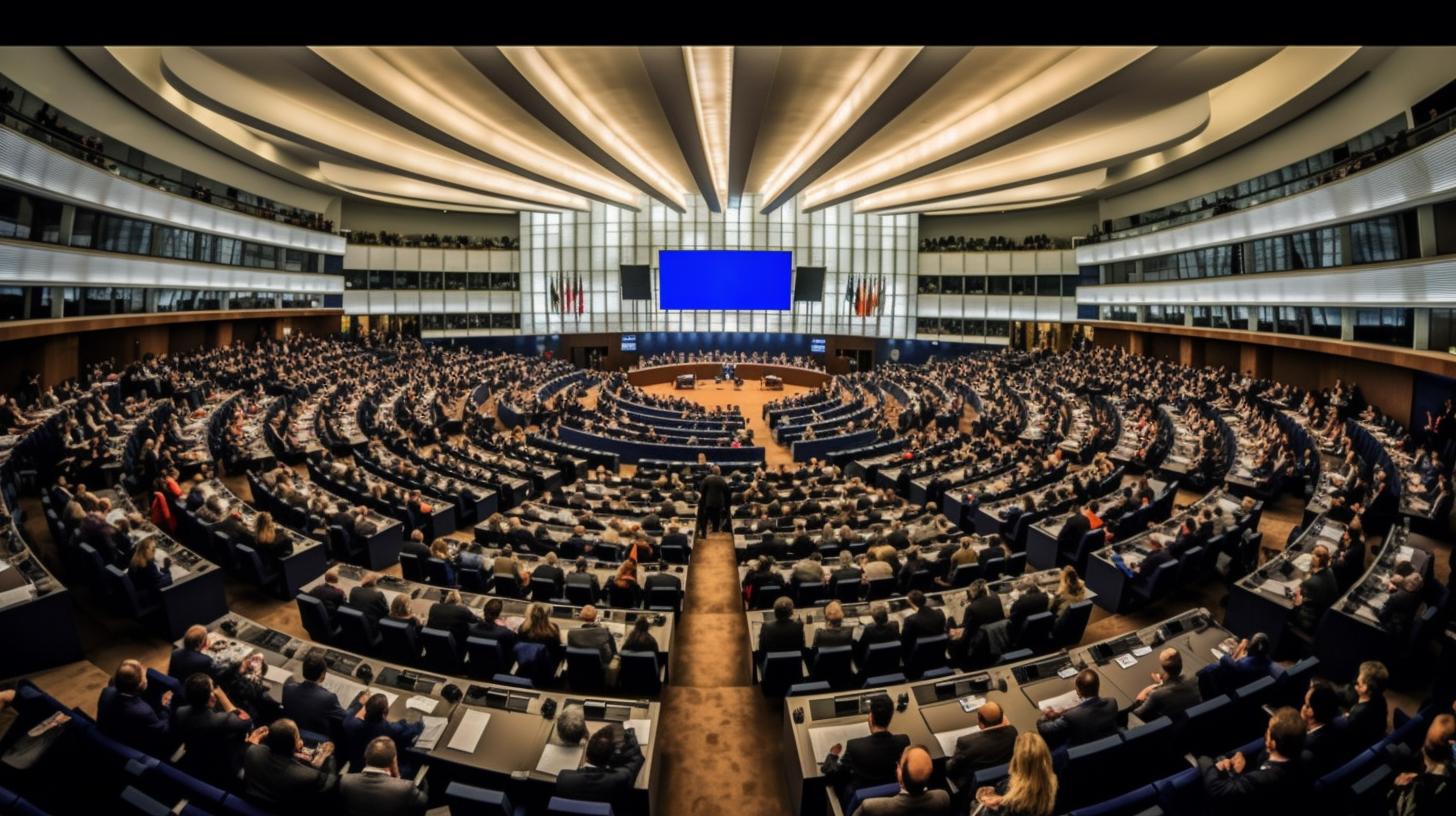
(424, 704)
(1405, 553)
(557, 758)
(1061, 702)
(971, 703)
(824, 737)
(641, 728)
(388, 695)
(467, 734)
(1068, 673)
(277, 674)
(1126, 661)
(948, 739)
(345, 689)
(512, 622)
(1304, 561)
(1142, 650)
(434, 729)
(20, 594)
(4, 565)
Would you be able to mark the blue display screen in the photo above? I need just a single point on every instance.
(724, 279)
(816, 345)
(629, 342)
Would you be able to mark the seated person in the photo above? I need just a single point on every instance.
(1317, 593)
(592, 635)
(613, 760)
(1270, 783)
(281, 774)
(489, 628)
(125, 715)
(452, 615)
(833, 632)
(1323, 741)
(866, 761)
(212, 731)
(913, 773)
(328, 592)
(784, 633)
(1030, 788)
(146, 576)
(880, 630)
(1091, 718)
(400, 609)
(309, 705)
(1367, 720)
(1171, 693)
(990, 746)
(378, 788)
(192, 657)
(1249, 662)
(1427, 787)
(371, 721)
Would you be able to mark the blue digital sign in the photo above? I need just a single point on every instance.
(629, 342)
(816, 345)
(724, 279)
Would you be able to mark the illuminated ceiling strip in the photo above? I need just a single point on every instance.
(865, 91)
(27, 264)
(260, 106)
(1103, 148)
(710, 79)
(1425, 174)
(534, 67)
(42, 168)
(1027, 205)
(1415, 283)
(1078, 184)
(421, 96)
(424, 203)
(382, 183)
(1072, 75)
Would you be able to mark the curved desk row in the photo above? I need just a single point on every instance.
(631, 450)
(793, 375)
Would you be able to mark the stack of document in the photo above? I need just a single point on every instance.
(947, 739)
(430, 737)
(467, 735)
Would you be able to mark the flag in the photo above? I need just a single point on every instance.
(849, 291)
(580, 295)
(879, 303)
(859, 298)
(555, 295)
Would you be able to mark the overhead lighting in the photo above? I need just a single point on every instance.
(710, 80)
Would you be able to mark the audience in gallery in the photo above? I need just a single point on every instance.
(717, 356)
(432, 240)
(995, 243)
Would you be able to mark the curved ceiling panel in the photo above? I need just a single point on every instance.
(892, 129)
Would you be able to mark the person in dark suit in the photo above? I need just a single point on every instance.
(1317, 593)
(192, 657)
(370, 721)
(1270, 783)
(378, 790)
(1072, 533)
(212, 730)
(674, 538)
(548, 570)
(784, 633)
(583, 576)
(613, 760)
(866, 761)
(123, 714)
(833, 632)
(925, 621)
(882, 630)
(278, 772)
(987, 748)
(452, 615)
(328, 592)
(1157, 556)
(1366, 721)
(661, 579)
(489, 627)
(1399, 611)
(715, 503)
(1348, 563)
(415, 545)
(592, 635)
(311, 706)
(1249, 662)
(1093, 717)
(1324, 745)
(984, 607)
(369, 599)
(1031, 602)
(1171, 693)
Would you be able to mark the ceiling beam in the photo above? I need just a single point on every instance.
(926, 69)
(494, 65)
(754, 70)
(365, 97)
(669, 75)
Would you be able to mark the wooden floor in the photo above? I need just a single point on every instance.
(721, 746)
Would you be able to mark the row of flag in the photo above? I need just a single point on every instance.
(567, 293)
(866, 296)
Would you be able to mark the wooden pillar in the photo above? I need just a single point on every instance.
(1255, 360)
(1190, 351)
(1137, 343)
(59, 359)
(220, 333)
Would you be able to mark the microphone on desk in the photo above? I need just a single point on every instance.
(1001, 685)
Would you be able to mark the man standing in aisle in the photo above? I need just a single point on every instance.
(713, 504)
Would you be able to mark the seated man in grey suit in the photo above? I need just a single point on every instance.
(915, 798)
(592, 635)
(378, 790)
(1171, 693)
(1092, 717)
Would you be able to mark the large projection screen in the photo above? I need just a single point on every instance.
(724, 279)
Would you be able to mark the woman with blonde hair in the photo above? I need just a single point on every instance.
(1031, 787)
(145, 575)
(1070, 590)
(400, 610)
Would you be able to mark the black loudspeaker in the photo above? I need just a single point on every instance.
(636, 282)
(809, 284)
